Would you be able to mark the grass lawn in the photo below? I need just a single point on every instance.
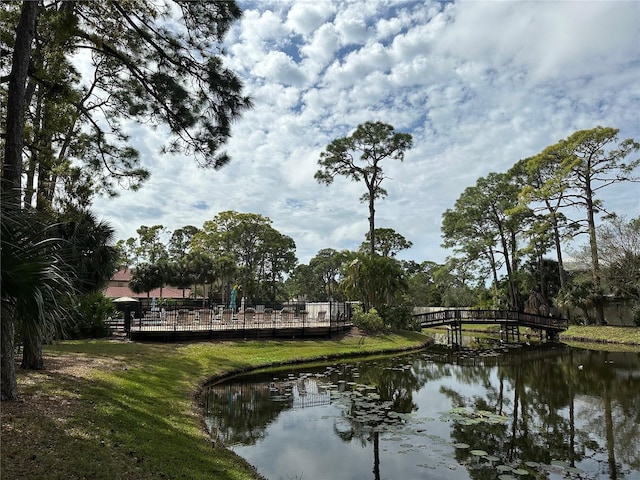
(618, 335)
(629, 336)
(106, 409)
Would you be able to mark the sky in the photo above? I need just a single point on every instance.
(479, 85)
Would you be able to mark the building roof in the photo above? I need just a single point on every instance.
(122, 275)
(113, 291)
(167, 292)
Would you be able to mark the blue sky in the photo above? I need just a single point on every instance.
(479, 85)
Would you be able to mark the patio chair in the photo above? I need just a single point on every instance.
(183, 315)
(286, 317)
(249, 315)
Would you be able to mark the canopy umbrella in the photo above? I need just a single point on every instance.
(232, 303)
(127, 303)
(126, 300)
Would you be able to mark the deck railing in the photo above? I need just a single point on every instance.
(332, 315)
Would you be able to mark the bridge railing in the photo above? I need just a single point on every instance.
(439, 318)
(530, 319)
(444, 317)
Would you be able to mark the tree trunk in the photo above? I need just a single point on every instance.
(595, 263)
(16, 99)
(9, 387)
(514, 268)
(510, 277)
(372, 234)
(29, 189)
(557, 241)
(541, 280)
(12, 168)
(32, 353)
(370, 183)
(494, 272)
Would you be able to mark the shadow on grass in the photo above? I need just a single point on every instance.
(131, 423)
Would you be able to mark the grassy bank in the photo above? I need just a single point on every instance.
(592, 334)
(629, 336)
(121, 410)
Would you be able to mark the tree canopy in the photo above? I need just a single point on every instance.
(587, 162)
(388, 242)
(95, 67)
(539, 204)
(359, 156)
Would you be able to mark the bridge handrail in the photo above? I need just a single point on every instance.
(471, 316)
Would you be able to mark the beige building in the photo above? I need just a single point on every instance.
(118, 287)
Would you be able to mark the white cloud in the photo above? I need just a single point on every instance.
(479, 84)
(305, 17)
(280, 68)
(325, 42)
(550, 39)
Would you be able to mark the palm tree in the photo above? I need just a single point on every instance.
(86, 260)
(374, 280)
(577, 294)
(91, 253)
(35, 279)
(145, 278)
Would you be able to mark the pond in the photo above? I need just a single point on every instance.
(547, 411)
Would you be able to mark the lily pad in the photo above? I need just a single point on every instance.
(479, 453)
(461, 445)
(520, 471)
(506, 476)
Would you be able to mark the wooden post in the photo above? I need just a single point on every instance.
(454, 334)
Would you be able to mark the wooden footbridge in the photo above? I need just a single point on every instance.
(509, 321)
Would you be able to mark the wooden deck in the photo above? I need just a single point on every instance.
(203, 325)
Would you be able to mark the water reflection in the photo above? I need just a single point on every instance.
(543, 412)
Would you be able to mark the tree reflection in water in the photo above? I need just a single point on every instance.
(462, 414)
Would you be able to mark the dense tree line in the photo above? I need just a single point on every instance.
(507, 222)
(231, 249)
(501, 230)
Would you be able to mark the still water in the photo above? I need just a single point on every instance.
(546, 412)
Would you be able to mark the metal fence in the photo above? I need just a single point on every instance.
(261, 320)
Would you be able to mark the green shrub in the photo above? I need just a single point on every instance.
(635, 312)
(167, 302)
(89, 314)
(399, 317)
(370, 321)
